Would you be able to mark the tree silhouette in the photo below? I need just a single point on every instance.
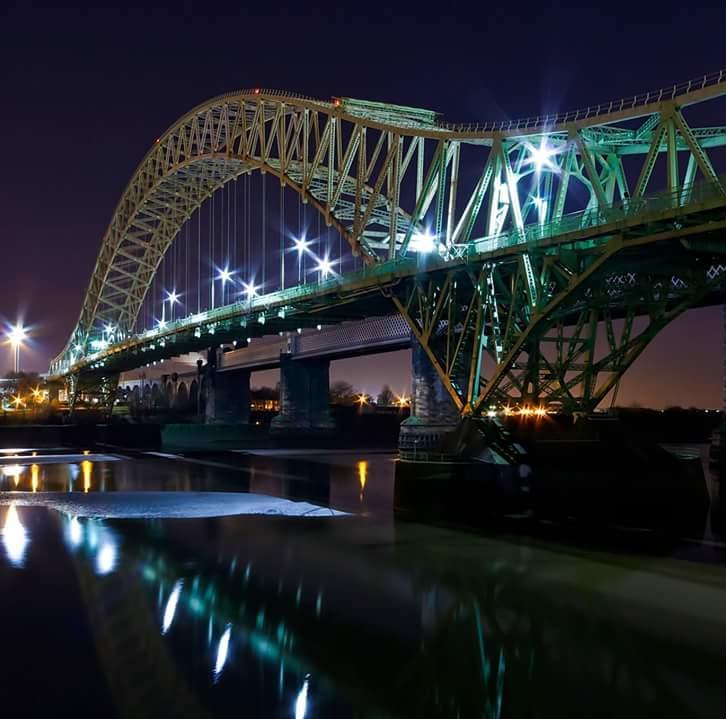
(386, 398)
(342, 392)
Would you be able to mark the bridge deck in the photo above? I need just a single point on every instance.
(366, 293)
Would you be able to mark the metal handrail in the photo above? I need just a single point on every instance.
(667, 93)
(598, 216)
(642, 207)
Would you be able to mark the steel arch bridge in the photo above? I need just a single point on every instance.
(533, 260)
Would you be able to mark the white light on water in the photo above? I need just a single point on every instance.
(301, 703)
(13, 470)
(106, 557)
(171, 604)
(75, 532)
(14, 537)
(222, 651)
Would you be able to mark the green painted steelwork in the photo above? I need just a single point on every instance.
(557, 207)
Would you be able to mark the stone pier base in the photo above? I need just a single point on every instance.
(304, 391)
(433, 413)
(227, 394)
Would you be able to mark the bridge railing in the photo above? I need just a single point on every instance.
(643, 208)
(627, 103)
(621, 211)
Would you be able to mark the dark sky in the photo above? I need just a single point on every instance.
(87, 88)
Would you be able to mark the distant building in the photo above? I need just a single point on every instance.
(261, 404)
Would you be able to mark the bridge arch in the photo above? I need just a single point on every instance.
(382, 175)
(291, 138)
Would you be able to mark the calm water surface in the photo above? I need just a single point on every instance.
(355, 615)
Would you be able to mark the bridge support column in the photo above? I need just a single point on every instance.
(304, 390)
(433, 413)
(227, 394)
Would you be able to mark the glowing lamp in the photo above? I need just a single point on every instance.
(423, 242)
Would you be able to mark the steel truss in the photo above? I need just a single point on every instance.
(387, 176)
(595, 311)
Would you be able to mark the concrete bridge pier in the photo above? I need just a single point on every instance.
(227, 394)
(304, 396)
(433, 413)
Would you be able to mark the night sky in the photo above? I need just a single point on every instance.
(87, 89)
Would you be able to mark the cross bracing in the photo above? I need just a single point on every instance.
(494, 202)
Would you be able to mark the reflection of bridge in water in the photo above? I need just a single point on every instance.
(502, 639)
(531, 261)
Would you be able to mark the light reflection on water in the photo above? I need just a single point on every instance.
(351, 618)
(15, 537)
(345, 482)
(314, 623)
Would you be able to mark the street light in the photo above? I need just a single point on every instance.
(540, 156)
(16, 336)
(325, 267)
(301, 245)
(250, 290)
(224, 276)
(172, 298)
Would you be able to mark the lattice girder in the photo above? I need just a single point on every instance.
(380, 174)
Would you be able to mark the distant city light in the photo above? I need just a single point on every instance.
(17, 334)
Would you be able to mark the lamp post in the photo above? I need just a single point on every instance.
(324, 268)
(301, 245)
(172, 298)
(225, 276)
(16, 336)
(250, 291)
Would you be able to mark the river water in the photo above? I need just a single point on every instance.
(282, 585)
